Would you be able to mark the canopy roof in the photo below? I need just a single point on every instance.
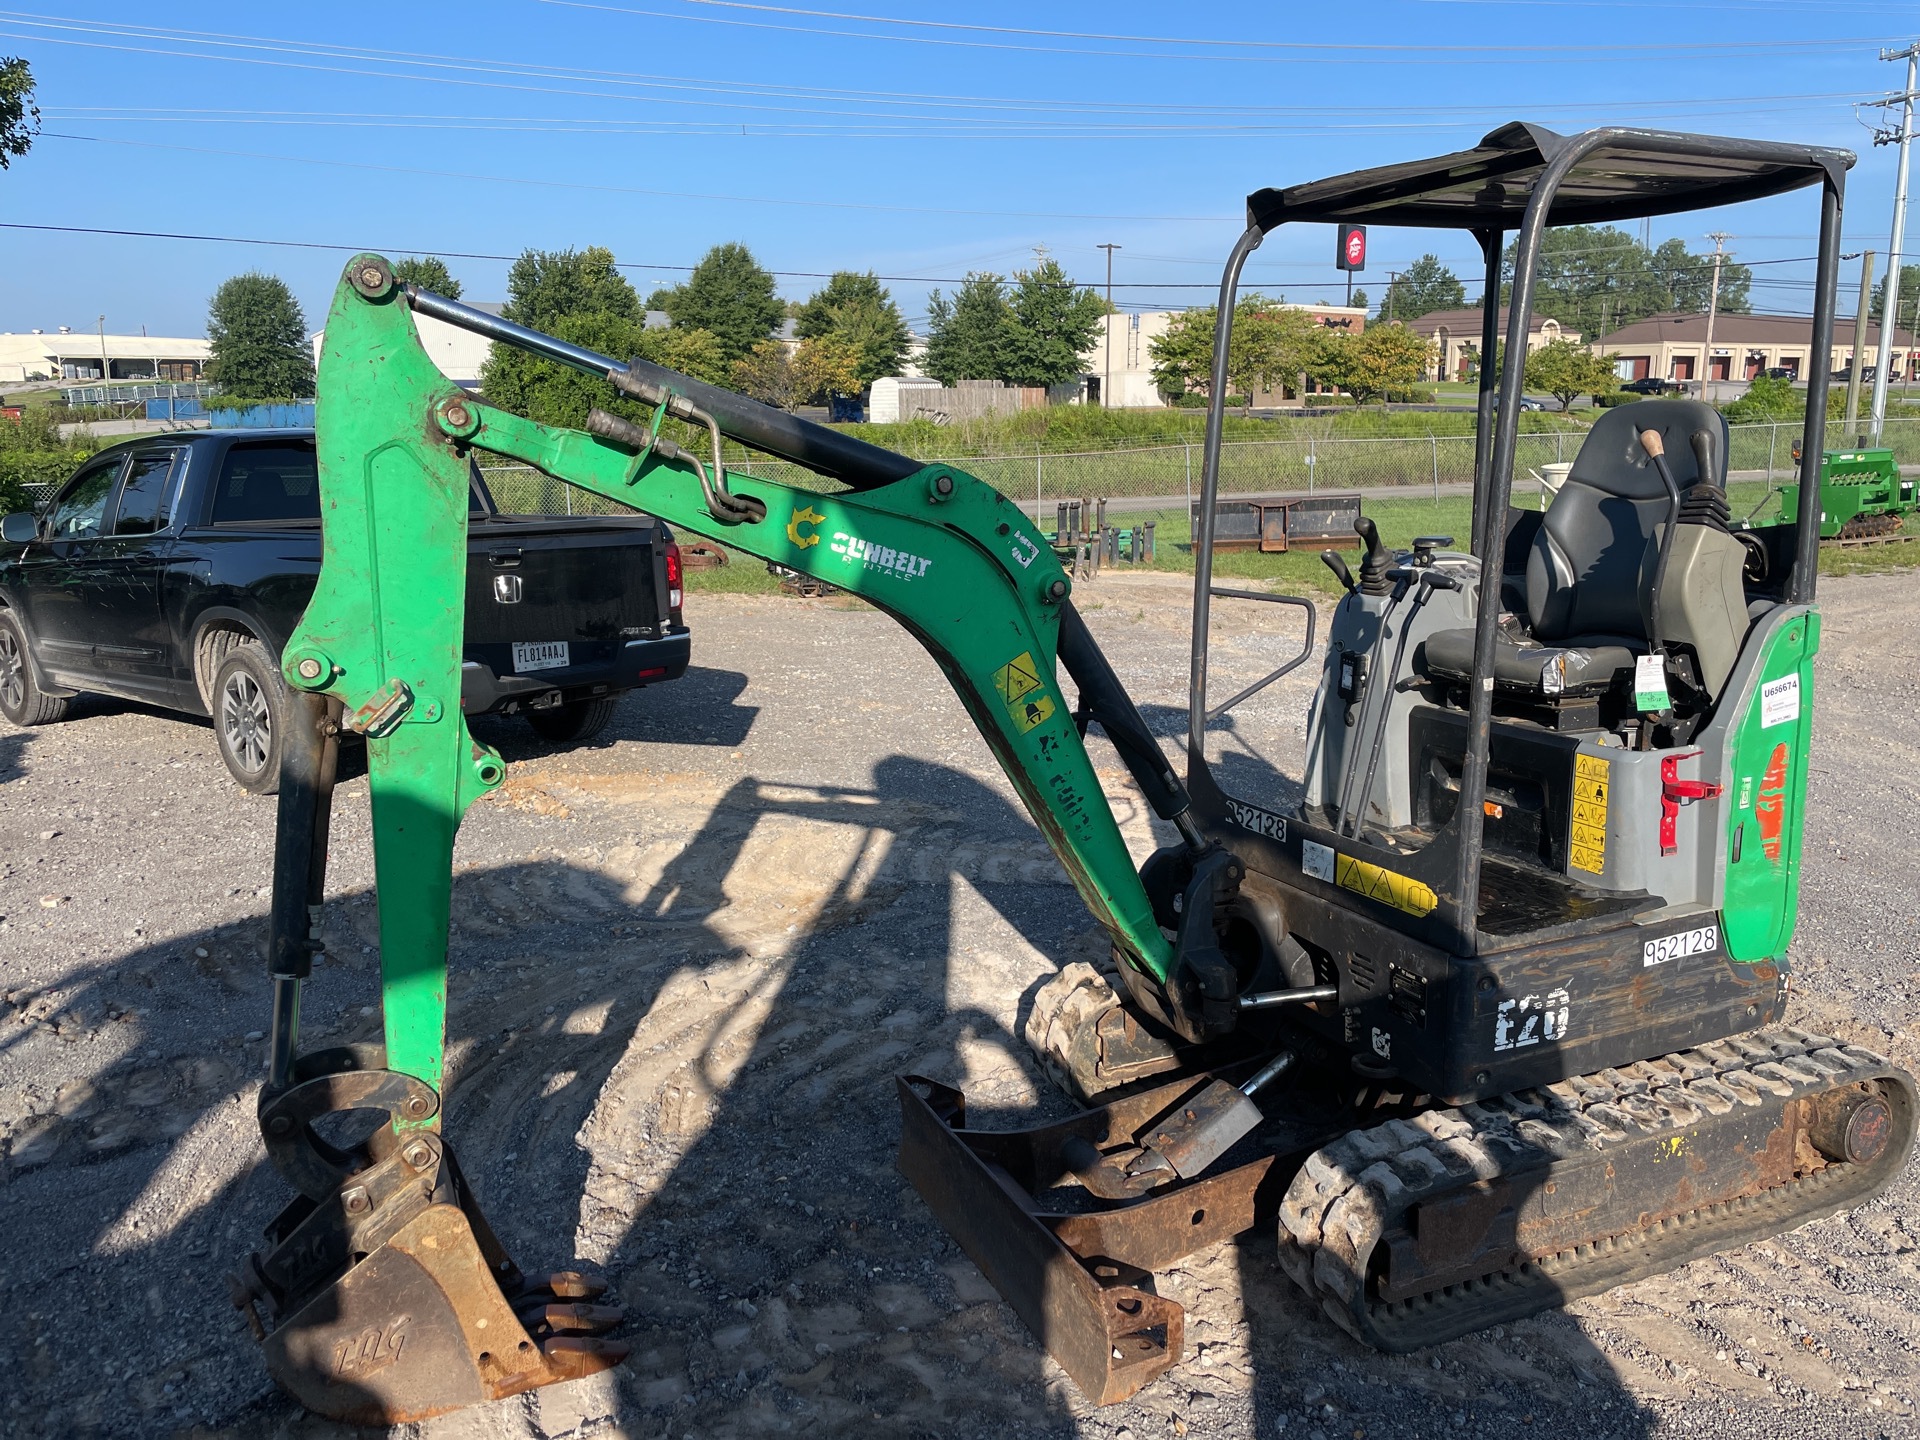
(1632, 173)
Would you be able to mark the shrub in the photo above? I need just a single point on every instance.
(1614, 397)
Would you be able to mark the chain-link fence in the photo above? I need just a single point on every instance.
(1160, 478)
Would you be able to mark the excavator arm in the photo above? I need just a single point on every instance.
(378, 652)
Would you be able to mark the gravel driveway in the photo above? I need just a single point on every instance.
(687, 961)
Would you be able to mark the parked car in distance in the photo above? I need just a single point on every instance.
(171, 570)
(1780, 372)
(1649, 385)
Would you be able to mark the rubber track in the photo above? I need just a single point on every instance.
(1351, 1193)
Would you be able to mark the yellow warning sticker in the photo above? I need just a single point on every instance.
(1399, 891)
(1018, 682)
(1587, 848)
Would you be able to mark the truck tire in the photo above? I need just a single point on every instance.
(250, 703)
(575, 721)
(21, 700)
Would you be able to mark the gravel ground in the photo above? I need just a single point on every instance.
(687, 961)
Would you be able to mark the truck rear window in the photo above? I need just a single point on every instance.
(269, 482)
(272, 482)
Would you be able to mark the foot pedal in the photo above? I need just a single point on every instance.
(382, 1296)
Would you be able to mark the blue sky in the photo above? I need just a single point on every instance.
(918, 141)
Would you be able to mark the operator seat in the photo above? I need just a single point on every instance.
(1592, 562)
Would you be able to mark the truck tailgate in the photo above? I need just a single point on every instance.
(592, 586)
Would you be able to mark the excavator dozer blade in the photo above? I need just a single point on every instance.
(386, 1296)
(1082, 1282)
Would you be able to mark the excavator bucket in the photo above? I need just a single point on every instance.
(382, 1295)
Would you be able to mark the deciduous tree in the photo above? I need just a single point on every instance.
(429, 272)
(259, 339)
(19, 116)
(729, 295)
(1379, 360)
(1565, 369)
(1272, 345)
(968, 337)
(1596, 278)
(858, 308)
(1422, 288)
(766, 373)
(544, 285)
(1054, 324)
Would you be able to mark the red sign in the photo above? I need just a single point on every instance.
(1352, 254)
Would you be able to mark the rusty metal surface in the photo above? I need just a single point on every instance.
(1082, 1282)
(387, 1297)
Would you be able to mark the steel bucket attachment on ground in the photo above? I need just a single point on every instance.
(386, 1296)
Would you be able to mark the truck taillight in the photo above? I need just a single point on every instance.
(673, 576)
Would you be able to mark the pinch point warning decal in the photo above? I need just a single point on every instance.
(1376, 883)
(1027, 701)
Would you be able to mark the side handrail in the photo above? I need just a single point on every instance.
(1306, 648)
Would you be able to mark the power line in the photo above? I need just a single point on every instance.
(616, 189)
(1314, 54)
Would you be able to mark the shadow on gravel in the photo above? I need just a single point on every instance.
(710, 1101)
(12, 748)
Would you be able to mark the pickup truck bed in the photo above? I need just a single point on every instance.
(164, 557)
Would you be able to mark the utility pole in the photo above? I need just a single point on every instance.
(1859, 345)
(1719, 238)
(106, 370)
(1890, 307)
(1106, 385)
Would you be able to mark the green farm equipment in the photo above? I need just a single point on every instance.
(1863, 496)
(1483, 1012)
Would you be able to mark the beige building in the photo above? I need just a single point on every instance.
(1120, 364)
(1456, 337)
(1671, 346)
(66, 354)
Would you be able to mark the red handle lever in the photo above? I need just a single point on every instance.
(1675, 792)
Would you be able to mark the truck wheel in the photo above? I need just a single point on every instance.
(22, 701)
(574, 721)
(249, 714)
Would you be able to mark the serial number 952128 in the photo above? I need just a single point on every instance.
(1703, 941)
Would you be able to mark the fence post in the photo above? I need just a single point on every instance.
(1036, 485)
(1434, 440)
(1559, 446)
(1773, 439)
(1189, 450)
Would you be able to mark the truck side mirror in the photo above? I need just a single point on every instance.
(20, 529)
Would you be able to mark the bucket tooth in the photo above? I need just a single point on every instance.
(388, 1298)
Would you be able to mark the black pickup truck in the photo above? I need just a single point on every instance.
(172, 568)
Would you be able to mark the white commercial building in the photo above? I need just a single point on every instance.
(1120, 364)
(66, 354)
(459, 353)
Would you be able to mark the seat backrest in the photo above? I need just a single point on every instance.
(1586, 571)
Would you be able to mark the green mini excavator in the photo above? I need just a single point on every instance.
(1482, 1011)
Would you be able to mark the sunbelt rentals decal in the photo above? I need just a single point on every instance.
(866, 553)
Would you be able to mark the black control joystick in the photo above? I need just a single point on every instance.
(1376, 562)
(1337, 563)
(1425, 545)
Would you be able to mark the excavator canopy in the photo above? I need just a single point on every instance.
(1632, 174)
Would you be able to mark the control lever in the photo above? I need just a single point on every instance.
(1396, 591)
(1376, 562)
(1428, 581)
(1425, 545)
(1337, 563)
